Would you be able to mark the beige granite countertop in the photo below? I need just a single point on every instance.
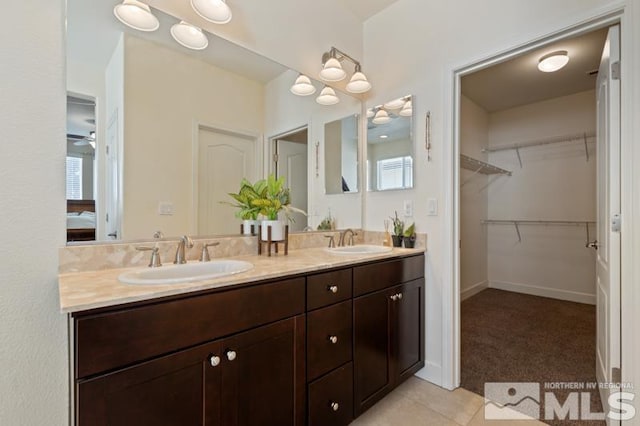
(81, 291)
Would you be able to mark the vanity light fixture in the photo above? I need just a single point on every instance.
(303, 86)
(216, 11)
(395, 104)
(407, 109)
(370, 113)
(381, 117)
(136, 15)
(189, 36)
(327, 97)
(332, 71)
(553, 61)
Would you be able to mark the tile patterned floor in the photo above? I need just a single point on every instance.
(420, 403)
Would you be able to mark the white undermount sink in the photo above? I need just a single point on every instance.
(188, 272)
(359, 249)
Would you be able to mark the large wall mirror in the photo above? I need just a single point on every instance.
(341, 155)
(390, 151)
(159, 134)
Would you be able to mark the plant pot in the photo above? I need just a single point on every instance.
(397, 240)
(247, 224)
(277, 230)
(409, 242)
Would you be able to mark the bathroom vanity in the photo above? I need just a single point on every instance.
(314, 346)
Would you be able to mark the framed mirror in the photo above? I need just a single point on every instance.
(390, 148)
(175, 129)
(341, 155)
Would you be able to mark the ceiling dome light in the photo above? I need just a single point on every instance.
(395, 104)
(189, 36)
(332, 70)
(303, 86)
(407, 109)
(216, 11)
(382, 117)
(327, 97)
(358, 83)
(136, 15)
(553, 61)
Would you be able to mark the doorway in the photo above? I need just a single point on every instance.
(290, 158)
(532, 213)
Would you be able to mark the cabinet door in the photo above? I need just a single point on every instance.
(179, 389)
(372, 378)
(263, 375)
(407, 325)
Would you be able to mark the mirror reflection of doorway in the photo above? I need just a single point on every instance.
(290, 161)
(80, 168)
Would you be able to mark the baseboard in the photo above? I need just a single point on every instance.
(473, 290)
(431, 372)
(554, 293)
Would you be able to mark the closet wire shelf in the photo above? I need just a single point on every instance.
(477, 166)
(517, 223)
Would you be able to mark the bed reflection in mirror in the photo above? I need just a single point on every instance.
(390, 152)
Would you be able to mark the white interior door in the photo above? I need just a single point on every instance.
(292, 164)
(112, 181)
(608, 243)
(224, 158)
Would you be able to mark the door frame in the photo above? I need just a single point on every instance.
(195, 160)
(272, 146)
(598, 18)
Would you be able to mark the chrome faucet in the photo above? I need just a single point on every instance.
(185, 241)
(344, 234)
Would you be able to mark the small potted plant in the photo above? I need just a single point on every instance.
(410, 236)
(398, 231)
(244, 203)
(273, 199)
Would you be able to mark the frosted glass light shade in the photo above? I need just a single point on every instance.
(216, 11)
(189, 36)
(358, 83)
(303, 86)
(395, 104)
(553, 61)
(370, 113)
(381, 117)
(332, 70)
(136, 15)
(327, 97)
(407, 109)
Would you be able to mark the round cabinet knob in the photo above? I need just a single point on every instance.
(333, 288)
(394, 297)
(214, 360)
(334, 406)
(333, 339)
(231, 355)
(399, 295)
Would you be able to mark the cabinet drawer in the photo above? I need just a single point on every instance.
(328, 288)
(331, 398)
(329, 338)
(109, 340)
(377, 276)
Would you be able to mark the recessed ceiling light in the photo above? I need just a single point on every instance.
(553, 61)
(189, 36)
(383, 136)
(136, 15)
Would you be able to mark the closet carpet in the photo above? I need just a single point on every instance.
(513, 337)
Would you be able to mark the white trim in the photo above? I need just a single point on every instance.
(431, 372)
(473, 290)
(553, 293)
(589, 21)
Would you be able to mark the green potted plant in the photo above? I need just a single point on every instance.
(410, 236)
(244, 203)
(273, 198)
(398, 231)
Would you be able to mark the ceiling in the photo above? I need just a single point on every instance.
(365, 9)
(519, 82)
(80, 122)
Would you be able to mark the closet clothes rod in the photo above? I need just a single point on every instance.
(517, 223)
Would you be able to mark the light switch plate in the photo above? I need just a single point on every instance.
(432, 207)
(408, 208)
(166, 208)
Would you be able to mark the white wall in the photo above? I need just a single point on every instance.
(474, 135)
(33, 353)
(166, 92)
(285, 113)
(446, 36)
(555, 183)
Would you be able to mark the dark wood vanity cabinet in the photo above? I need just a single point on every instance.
(388, 328)
(315, 350)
